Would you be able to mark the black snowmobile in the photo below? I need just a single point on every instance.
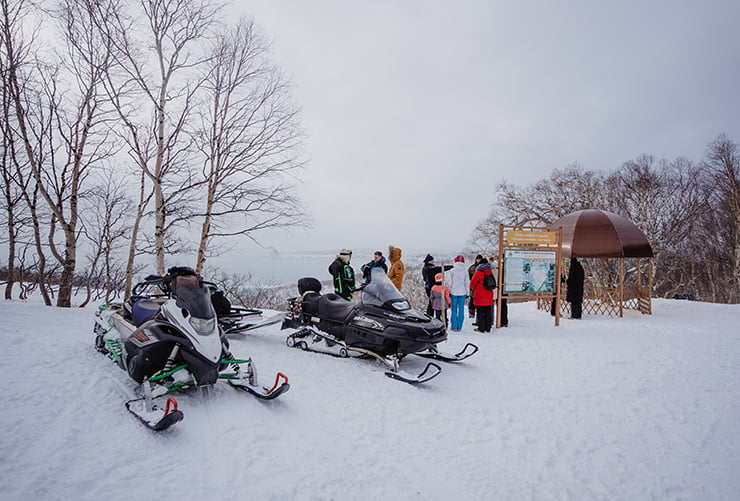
(382, 326)
(166, 337)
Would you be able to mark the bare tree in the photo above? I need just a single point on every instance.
(690, 213)
(722, 161)
(12, 192)
(60, 145)
(159, 69)
(15, 52)
(564, 191)
(106, 229)
(250, 139)
(664, 200)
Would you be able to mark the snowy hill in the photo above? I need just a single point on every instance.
(645, 407)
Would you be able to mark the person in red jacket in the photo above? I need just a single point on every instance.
(482, 296)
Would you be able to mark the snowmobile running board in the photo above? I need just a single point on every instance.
(469, 350)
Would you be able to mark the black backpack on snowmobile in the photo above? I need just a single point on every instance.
(382, 325)
(166, 337)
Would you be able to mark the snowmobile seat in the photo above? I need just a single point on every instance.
(333, 307)
(143, 309)
(306, 284)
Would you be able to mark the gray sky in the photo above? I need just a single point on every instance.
(415, 110)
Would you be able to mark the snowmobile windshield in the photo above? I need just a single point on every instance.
(197, 300)
(382, 293)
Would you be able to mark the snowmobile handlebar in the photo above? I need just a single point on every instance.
(164, 281)
(148, 282)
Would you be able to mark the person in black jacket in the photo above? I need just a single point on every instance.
(428, 272)
(471, 302)
(343, 274)
(575, 288)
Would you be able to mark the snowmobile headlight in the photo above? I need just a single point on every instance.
(401, 305)
(203, 326)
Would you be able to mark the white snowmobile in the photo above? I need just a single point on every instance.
(166, 337)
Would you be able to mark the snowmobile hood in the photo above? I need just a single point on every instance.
(203, 332)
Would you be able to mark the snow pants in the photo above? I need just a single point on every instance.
(458, 312)
(485, 318)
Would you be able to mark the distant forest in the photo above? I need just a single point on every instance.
(688, 210)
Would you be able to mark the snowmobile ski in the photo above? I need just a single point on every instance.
(154, 416)
(431, 371)
(469, 350)
(281, 386)
(312, 339)
(246, 379)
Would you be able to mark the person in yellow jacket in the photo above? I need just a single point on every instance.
(396, 269)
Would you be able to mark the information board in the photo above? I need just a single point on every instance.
(529, 272)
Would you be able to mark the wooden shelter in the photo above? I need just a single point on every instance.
(599, 236)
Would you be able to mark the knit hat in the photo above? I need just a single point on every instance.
(345, 255)
(428, 258)
(459, 259)
(438, 277)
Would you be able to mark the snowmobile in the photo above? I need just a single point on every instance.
(167, 338)
(238, 319)
(382, 326)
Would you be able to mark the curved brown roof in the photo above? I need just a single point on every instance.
(597, 233)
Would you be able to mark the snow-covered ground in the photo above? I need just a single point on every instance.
(644, 407)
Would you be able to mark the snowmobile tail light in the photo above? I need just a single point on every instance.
(203, 326)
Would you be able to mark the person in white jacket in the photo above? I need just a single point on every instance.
(458, 281)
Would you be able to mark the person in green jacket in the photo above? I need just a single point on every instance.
(343, 274)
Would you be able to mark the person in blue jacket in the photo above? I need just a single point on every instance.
(377, 262)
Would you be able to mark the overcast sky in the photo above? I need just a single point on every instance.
(415, 110)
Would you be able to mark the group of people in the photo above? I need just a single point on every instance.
(448, 287)
(477, 283)
(343, 275)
